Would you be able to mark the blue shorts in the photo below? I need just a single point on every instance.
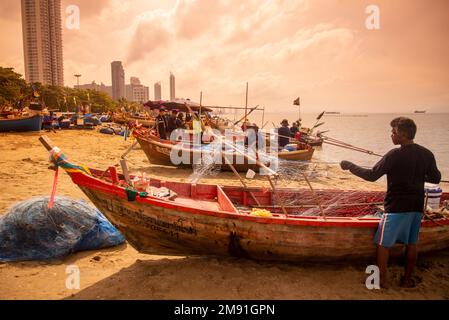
(398, 228)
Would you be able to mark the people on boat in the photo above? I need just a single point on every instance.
(298, 136)
(407, 168)
(245, 125)
(294, 129)
(254, 139)
(161, 124)
(180, 121)
(171, 122)
(283, 134)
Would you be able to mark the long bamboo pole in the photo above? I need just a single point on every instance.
(201, 100)
(342, 145)
(315, 196)
(263, 117)
(243, 183)
(278, 200)
(246, 101)
(246, 115)
(260, 164)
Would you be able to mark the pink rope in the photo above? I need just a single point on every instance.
(53, 190)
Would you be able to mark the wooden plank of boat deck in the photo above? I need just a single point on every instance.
(194, 203)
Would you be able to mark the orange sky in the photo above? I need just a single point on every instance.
(317, 49)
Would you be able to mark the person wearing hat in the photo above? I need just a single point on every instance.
(161, 124)
(254, 139)
(283, 134)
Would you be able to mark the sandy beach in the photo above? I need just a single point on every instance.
(123, 273)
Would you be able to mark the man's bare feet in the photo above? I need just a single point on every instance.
(408, 283)
(384, 285)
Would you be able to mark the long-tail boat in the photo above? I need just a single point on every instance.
(119, 118)
(21, 123)
(215, 220)
(303, 152)
(159, 151)
(143, 120)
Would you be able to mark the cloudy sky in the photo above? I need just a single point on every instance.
(319, 50)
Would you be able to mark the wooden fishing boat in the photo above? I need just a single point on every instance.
(159, 152)
(313, 141)
(124, 118)
(216, 220)
(119, 118)
(144, 121)
(21, 123)
(303, 152)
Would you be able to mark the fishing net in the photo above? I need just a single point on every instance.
(333, 203)
(32, 231)
(302, 200)
(306, 201)
(206, 166)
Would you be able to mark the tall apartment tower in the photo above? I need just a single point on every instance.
(135, 91)
(118, 80)
(42, 41)
(157, 91)
(172, 87)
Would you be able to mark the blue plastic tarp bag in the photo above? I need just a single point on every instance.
(32, 231)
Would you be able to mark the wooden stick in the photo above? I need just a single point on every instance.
(260, 164)
(327, 205)
(276, 195)
(125, 171)
(246, 101)
(201, 100)
(235, 123)
(352, 148)
(46, 142)
(243, 183)
(129, 149)
(315, 196)
(263, 117)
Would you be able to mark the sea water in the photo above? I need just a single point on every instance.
(371, 132)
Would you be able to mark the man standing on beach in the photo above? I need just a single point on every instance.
(407, 169)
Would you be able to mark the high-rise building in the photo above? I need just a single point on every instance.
(94, 86)
(42, 41)
(157, 91)
(118, 80)
(136, 92)
(172, 87)
(134, 81)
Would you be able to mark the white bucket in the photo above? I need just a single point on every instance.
(433, 192)
(250, 174)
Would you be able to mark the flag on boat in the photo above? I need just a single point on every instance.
(296, 102)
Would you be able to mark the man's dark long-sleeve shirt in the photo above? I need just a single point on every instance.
(407, 168)
(284, 134)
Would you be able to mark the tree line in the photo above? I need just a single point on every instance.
(15, 92)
